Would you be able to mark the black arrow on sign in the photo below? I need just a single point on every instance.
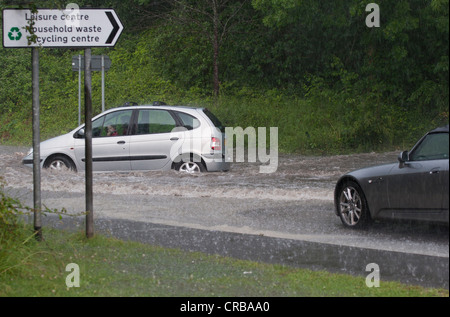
(115, 27)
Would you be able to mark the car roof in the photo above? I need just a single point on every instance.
(155, 106)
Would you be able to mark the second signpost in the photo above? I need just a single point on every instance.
(98, 63)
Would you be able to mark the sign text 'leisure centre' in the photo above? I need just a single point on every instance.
(61, 28)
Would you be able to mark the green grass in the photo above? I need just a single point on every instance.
(110, 267)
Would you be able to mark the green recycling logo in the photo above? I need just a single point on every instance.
(14, 34)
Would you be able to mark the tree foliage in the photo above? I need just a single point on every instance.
(375, 81)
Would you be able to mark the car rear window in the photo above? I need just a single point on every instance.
(214, 120)
(189, 122)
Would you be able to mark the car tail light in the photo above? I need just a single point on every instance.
(215, 144)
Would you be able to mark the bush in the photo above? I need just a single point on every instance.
(13, 236)
(9, 216)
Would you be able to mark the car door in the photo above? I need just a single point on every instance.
(110, 143)
(421, 184)
(154, 140)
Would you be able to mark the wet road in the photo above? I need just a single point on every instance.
(295, 203)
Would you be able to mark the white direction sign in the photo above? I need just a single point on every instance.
(61, 28)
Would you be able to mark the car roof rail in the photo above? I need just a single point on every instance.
(129, 104)
(159, 103)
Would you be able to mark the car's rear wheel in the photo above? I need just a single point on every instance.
(352, 206)
(59, 163)
(189, 163)
(191, 167)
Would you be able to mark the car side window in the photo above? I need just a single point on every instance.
(155, 121)
(97, 126)
(189, 122)
(112, 124)
(433, 147)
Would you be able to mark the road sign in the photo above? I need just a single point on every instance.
(96, 63)
(61, 28)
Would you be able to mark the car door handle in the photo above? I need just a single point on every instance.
(435, 170)
(174, 139)
(121, 142)
(376, 180)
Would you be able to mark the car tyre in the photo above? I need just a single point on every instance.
(189, 165)
(59, 163)
(352, 206)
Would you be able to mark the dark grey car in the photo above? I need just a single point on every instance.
(415, 188)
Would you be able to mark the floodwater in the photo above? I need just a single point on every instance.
(295, 202)
(297, 178)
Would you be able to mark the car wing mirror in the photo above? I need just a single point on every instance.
(403, 157)
(80, 134)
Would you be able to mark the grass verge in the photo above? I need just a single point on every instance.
(110, 267)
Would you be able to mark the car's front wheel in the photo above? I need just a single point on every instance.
(352, 206)
(59, 163)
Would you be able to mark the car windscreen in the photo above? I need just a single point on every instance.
(433, 147)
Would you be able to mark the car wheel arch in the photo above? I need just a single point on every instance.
(192, 157)
(341, 182)
(49, 159)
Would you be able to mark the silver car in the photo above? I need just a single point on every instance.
(415, 188)
(148, 137)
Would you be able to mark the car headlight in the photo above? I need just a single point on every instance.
(30, 151)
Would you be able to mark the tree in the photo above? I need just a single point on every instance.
(212, 20)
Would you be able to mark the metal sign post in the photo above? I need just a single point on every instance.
(88, 143)
(103, 83)
(36, 146)
(79, 89)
